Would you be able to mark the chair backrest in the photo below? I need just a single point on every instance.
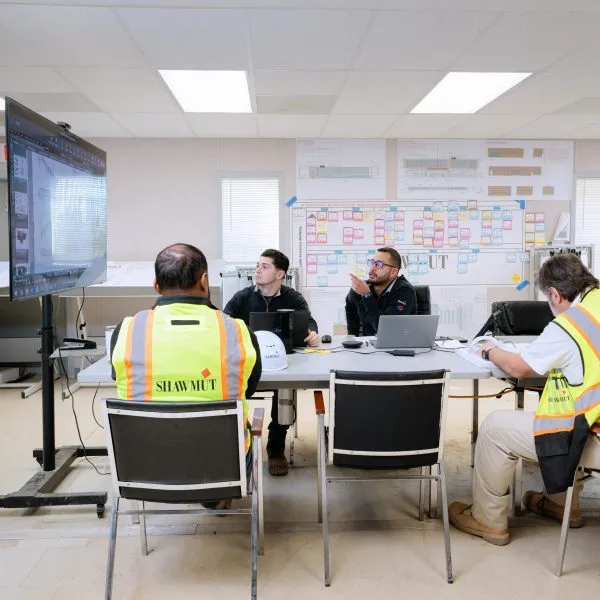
(520, 317)
(176, 452)
(387, 420)
(423, 299)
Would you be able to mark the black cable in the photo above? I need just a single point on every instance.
(62, 364)
(79, 313)
(93, 413)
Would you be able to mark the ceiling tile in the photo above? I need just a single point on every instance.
(489, 126)
(420, 39)
(583, 106)
(385, 92)
(291, 125)
(89, 124)
(124, 90)
(425, 126)
(544, 93)
(298, 82)
(55, 102)
(526, 42)
(15, 51)
(306, 39)
(33, 79)
(358, 126)
(154, 125)
(294, 105)
(215, 126)
(591, 132)
(73, 36)
(554, 126)
(190, 39)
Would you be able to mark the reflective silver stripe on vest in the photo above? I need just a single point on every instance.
(586, 324)
(587, 399)
(234, 359)
(542, 424)
(138, 356)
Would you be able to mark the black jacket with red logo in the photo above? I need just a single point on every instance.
(362, 314)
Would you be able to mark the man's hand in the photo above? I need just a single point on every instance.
(486, 346)
(312, 339)
(359, 285)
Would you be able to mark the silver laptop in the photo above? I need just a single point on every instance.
(406, 331)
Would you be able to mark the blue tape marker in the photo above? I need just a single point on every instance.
(523, 284)
(521, 204)
(291, 201)
(475, 250)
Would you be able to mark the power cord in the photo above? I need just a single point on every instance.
(79, 313)
(62, 364)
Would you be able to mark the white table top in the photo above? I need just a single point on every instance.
(312, 370)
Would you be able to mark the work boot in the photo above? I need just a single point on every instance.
(462, 518)
(278, 465)
(541, 505)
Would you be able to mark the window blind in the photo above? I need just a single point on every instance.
(587, 216)
(250, 212)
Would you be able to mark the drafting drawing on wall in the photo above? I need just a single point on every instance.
(341, 169)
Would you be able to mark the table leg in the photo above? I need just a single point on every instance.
(475, 421)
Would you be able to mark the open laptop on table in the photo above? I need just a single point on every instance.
(415, 332)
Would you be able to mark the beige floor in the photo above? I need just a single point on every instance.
(378, 547)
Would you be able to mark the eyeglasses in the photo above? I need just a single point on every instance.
(379, 264)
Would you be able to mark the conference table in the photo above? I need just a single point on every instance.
(311, 370)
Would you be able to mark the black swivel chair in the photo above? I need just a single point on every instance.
(423, 299)
(383, 421)
(182, 453)
(517, 317)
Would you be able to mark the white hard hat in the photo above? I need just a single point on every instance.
(272, 351)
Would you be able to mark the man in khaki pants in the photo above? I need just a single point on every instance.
(506, 436)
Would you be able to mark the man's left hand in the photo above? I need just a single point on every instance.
(312, 339)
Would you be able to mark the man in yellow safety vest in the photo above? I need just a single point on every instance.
(184, 349)
(568, 351)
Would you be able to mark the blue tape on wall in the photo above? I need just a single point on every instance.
(291, 201)
(523, 284)
(521, 204)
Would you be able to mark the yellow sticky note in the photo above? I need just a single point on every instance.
(321, 226)
(516, 278)
(540, 236)
(529, 237)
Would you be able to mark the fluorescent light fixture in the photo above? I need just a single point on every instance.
(467, 92)
(210, 91)
(2, 103)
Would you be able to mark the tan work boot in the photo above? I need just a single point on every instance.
(540, 504)
(278, 465)
(462, 518)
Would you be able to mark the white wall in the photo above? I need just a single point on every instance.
(587, 156)
(162, 191)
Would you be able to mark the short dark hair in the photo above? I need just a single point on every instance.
(179, 267)
(396, 260)
(567, 274)
(280, 260)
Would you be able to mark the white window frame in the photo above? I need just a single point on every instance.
(574, 239)
(251, 260)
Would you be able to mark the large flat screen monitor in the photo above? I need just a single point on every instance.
(57, 206)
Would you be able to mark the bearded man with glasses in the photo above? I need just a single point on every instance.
(386, 292)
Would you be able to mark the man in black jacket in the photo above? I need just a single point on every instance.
(385, 293)
(269, 295)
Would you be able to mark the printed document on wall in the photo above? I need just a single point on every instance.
(340, 169)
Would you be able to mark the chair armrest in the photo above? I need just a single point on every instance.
(258, 417)
(319, 403)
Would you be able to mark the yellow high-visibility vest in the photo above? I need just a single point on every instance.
(566, 412)
(184, 352)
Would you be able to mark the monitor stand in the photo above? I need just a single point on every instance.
(55, 463)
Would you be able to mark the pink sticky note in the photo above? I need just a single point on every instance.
(418, 224)
(427, 242)
(311, 259)
(399, 216)
(438, 226)
(311, 268)
(348, 240)
(333, 216)
(507, 225)
(348, 231)
(311, 221)
(322, 238)
(347, 215)
(358, 234)
(438, 243)
(539, 217)
(322, 215)
(311, 239)
(357, 216)
(465, 233)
